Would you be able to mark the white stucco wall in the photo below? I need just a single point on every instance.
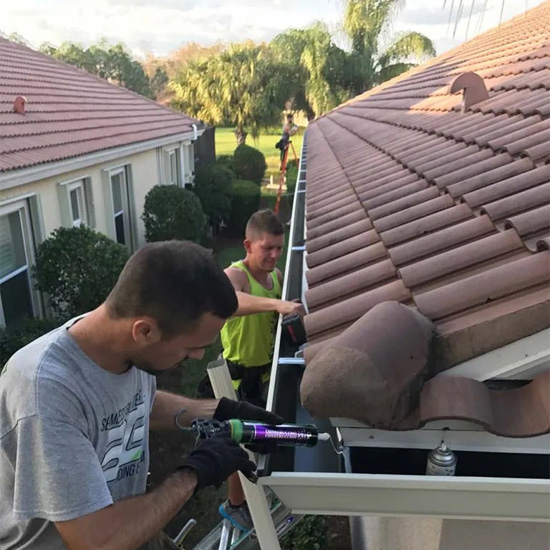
(146, 171)
(377, 533)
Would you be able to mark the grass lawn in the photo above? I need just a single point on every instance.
(226, 144)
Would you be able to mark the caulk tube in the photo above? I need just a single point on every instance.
(283, 434)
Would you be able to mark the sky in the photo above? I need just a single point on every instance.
(161, 26)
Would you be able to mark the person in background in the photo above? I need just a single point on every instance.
(248, 337)
(289, 129)
(76, 406)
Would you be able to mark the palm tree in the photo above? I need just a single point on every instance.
(239, 86)
(364, 23)
(315, 68)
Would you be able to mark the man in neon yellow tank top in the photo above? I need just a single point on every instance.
(248, 337)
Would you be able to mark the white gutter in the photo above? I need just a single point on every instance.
(419, 495)
(476, 498)
(300, 188)
(35, 173)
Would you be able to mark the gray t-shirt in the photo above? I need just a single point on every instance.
(74, 438)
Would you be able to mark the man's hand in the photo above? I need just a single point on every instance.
(216, 459)
(228, 408)
(289, 308)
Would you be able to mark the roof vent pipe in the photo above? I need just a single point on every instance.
(474, 89)
(19, 104)
(195, 134)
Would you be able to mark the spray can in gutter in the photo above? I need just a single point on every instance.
(441, 461)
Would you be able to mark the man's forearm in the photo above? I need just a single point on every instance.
(127, 524)
(167, 405)
(249, 305)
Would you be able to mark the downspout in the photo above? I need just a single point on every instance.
(195, 132)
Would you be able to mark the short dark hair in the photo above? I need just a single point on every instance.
(264, 221)
(289, 116)
(175, 283)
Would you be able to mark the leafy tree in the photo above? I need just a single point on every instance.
(159, 81)
(111, 62)
(171, 212)
(77, 268)
(213, 186)
(243, 86)
(364, 22)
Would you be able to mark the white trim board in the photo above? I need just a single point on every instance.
(399, 495)
(522, 360)
(35, 173)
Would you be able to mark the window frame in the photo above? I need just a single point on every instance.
(79, 189)
(175, 152)
(23, 208)
(86, 207)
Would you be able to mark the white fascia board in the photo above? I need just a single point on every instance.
(522, 360)
(479, 498)
(35, 173)
(458, 435)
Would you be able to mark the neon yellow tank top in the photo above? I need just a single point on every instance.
(249, 340)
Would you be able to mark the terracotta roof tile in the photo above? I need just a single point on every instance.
(69, 112)
(339, 235)
(408, 199)
(351, 284)
(531, 222)
(342, 248)
(519, 202)
(429, 224)
(483, 179)
(486, 287)
(347, 311)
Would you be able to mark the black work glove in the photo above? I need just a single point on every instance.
(228, 408)
(215, 459)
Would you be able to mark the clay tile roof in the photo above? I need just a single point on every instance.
(68, 112)
(411, 199)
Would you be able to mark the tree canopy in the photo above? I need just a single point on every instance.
(112, 62)
(248, 85)
(244, 86)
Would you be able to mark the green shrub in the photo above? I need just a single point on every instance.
(291, 176)
(13, 339)
(226, 161)
(249, 164)
(171, 212)
(77, 268)
(213, 186)
(309, 534)
(246, 201)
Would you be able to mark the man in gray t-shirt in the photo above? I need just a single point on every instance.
(76, 406)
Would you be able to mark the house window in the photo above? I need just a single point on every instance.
(122, 213)
(77, 202)
(17, 297)
(174, 172)
(188, 153)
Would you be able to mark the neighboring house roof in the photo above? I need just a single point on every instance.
(69, 112)
(410, 200)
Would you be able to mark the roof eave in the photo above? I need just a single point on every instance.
(24, 176)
